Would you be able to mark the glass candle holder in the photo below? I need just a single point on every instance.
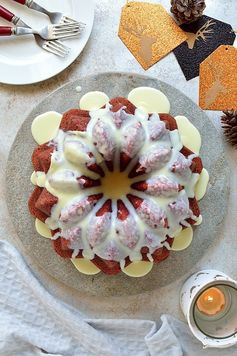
(209, 302)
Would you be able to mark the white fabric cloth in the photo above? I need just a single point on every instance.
(33, 322)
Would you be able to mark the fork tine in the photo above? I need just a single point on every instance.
(62, 32)
(48, 48)
(56, 48)
(59, 46)
(68, 19)
(66, 26)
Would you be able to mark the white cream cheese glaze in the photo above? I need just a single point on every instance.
(201, 185)
(183, 240)
(93, 100)
(150, 100)
(42, 229)
(85, 266)
(138, 268)
(67, 166)
(190, 135)
(44, 127)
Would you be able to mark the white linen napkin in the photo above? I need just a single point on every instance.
(33, 322)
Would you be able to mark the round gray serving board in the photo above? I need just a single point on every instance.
(213, 206)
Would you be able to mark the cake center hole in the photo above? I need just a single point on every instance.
(115, 184)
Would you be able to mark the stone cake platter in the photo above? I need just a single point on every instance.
(213, 206)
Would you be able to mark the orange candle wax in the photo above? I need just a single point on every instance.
(211, 301)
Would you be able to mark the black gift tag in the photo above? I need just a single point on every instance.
(204, 36)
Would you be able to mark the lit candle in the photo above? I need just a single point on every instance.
(211, 301)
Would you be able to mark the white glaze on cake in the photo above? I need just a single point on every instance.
(151, 140)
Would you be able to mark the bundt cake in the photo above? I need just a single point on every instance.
(115, 185)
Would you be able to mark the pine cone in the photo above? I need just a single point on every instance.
(186, 11)
(229, 124)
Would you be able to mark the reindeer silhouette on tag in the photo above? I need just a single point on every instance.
(145, 42)
(204, 36)
(204, 32)
(216, 88)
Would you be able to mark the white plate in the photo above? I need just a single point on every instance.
(22, 61)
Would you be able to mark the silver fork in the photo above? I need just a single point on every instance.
(51, 32)
(55, 17)
(55, 47)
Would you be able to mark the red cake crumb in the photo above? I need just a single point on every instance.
(45, 202)
(169, 121)
(75, 120)
(119, 102)
(32, 205)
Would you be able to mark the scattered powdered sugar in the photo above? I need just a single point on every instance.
(98, 229)
(133, 139)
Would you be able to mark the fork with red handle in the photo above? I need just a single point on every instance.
(55, 17)
(55, 47)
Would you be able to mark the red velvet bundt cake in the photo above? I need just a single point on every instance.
(118, 185)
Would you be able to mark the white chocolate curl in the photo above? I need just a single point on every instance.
(156, 127)
(98, 229)
(133, 139)
(152, 214)
(154, 159)
(103, 139)
(127, 231)
(162, 186)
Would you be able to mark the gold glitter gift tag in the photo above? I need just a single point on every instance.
(218, 78)
(149, 32)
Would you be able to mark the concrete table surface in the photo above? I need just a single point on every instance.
(105, 52)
